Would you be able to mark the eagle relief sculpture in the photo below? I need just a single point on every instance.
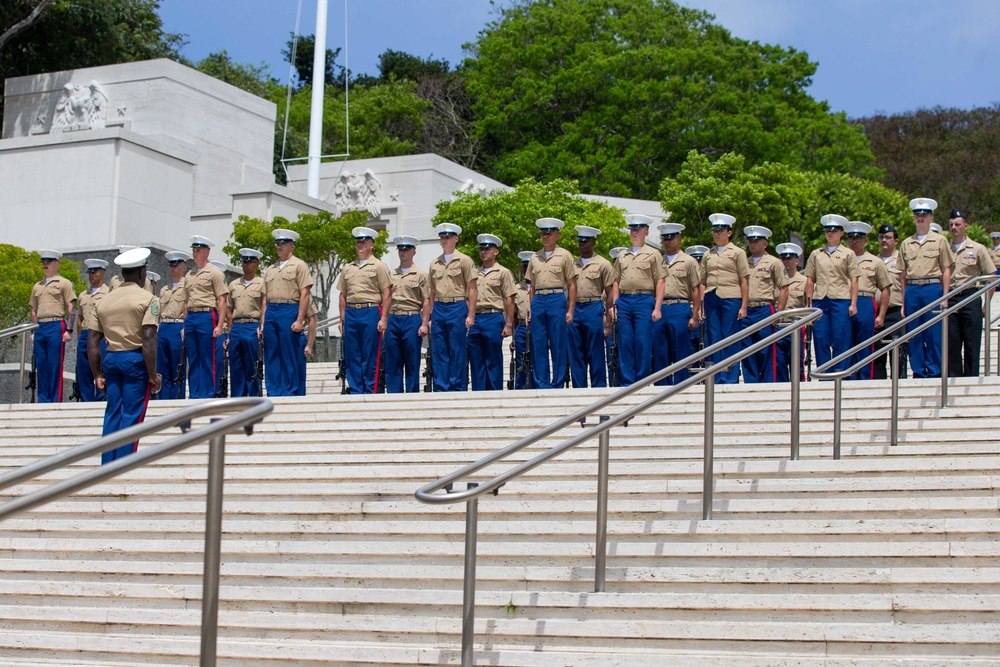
(358, 192)
(80, 108)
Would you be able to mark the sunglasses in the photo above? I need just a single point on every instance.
(94, 270)
(584, 239)
(447, 234)
(175, 262)
(856, 236)
(720, 228)
(827, 230)
(281, 241)
(546, 232)
(405, 247)
(789, 257)
(46, 261)
(669, 236)
(247, 260)
(484, 246)
(359, 239)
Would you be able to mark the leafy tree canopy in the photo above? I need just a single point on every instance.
(254, 79)
(511, 216)
(614, 93)
(305, 51)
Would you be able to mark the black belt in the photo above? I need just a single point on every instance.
(201, 310)
(244, 320)
(589, 299)
(923, 281)
(487, 311)
(670, 302)
(450, 299)
(360, 305)
(283, 301)
(405, 313)
(173, 320)
(635, 291)
(553, 290)
(46, 320)
(759, 304)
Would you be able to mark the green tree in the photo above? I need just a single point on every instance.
(614, 93)
(254, 79)
(326, 244)
(304, 51)
(511, 215)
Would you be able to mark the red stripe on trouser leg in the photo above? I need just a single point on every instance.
(142, 417)
(62, 358)
(774, 355)
(215, 323)
(378, 354)
(871, 365)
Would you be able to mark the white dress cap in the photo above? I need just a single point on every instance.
(406, 240)
(202, 241)
(858, 227)
(638, 220)
(525, 256)
(285, 235)
(756, 232)
(696, 250)
(93, 264)
(177, 255)
(221, 266)
(834, 220)
(789, 249)
(50, 254)
(153, 276)
(614, 251)
(489, 239)
(587, 232)
(250, 252)
(549, 223)
(447, 228)
(935, 227)
(133, 258)
(126, 248)
(995, 235)
(671, 228)
(923, 204)
(721, 220)
(364, 232)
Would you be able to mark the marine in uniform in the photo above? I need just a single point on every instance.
(726, 289)
(453, 295)
(995, 249)
(874, 286)
(494, 317)
(222, 341)
(51, 302)
(767, 283)
(522, 311)
(127, 318)
(170, 334)
(680, 313)
(888, 238)
(308, 345)
(928, 262)
(409, 320)
(965, 326)
(152, 281)
(638, 295)
(245, 307)
(594, 280)
(206, 293)
(696, 252)
(287, 294)
(365, 296)
(86, 300)
(552, 276)
(116, 280)
(790, 253)
(832, 286)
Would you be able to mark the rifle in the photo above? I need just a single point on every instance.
(342, 369)
(259, 367)
(809, 351)
(613, 376)
(32, 379)
(526, 366)
(180, 378)
(223, 389)
(380, 378)
(75, 394)
(428, 367)
(513, 365)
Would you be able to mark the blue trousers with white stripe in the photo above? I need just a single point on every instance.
(549, 336)
(586, 345)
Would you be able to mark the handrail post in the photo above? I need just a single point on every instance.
(709, 463)
(837, 389)
(601, 547)
(987, 317)
(469, 582)
(944, 359)
(794, 377)
(213, 544)
(894, 434)
(20, 369)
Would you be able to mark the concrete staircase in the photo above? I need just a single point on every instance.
(887, 557)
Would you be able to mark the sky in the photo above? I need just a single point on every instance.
(874, 56)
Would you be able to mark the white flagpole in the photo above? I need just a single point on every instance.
(316, 110)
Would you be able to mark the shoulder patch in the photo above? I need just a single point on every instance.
(154, 307)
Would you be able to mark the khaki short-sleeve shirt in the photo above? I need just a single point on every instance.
(926, 259)
(971, 260)
(522, 304)
(204, 287)
(874, 277)
(767, 277)
(593, 279)
(122, 314)
(832, 272)
(637, 270)
(245, 299)
(451, 280)
(87, 301)
(493, 287)
(556, 272)
(681, 277)
(721, 271)
(995, 256)
(284, 284)
(409, 290)
(894, 267)
(796, 291)
(363, 283)
(50, 299)
(172, 301)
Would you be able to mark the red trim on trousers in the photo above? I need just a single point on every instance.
(142, 416)
(215, 323)
(774, 356)
(378, 353)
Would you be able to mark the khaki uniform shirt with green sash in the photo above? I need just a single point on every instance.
(451, 280)
(363, 283)
(593, 280)
(284, 284)
(832, 272)
(767, 277)
(204, 287)
(49, 300)
(681, 277)
(556, 272)
(409, 290)
(894, 267)
(927, 259)
(86, 302)
(122, 314)
(172, 301)
(721, 272)
(246, 299)
(493, 287)
(522, 304)
(874, 277)
(638, 270)
(971, 260)
(796, 291)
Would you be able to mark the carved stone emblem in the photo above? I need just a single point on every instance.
(80, 108)
(358, 192)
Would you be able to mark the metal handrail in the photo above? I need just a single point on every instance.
(251, 412)
(893, 347)
(428, 493)
(22, 330)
